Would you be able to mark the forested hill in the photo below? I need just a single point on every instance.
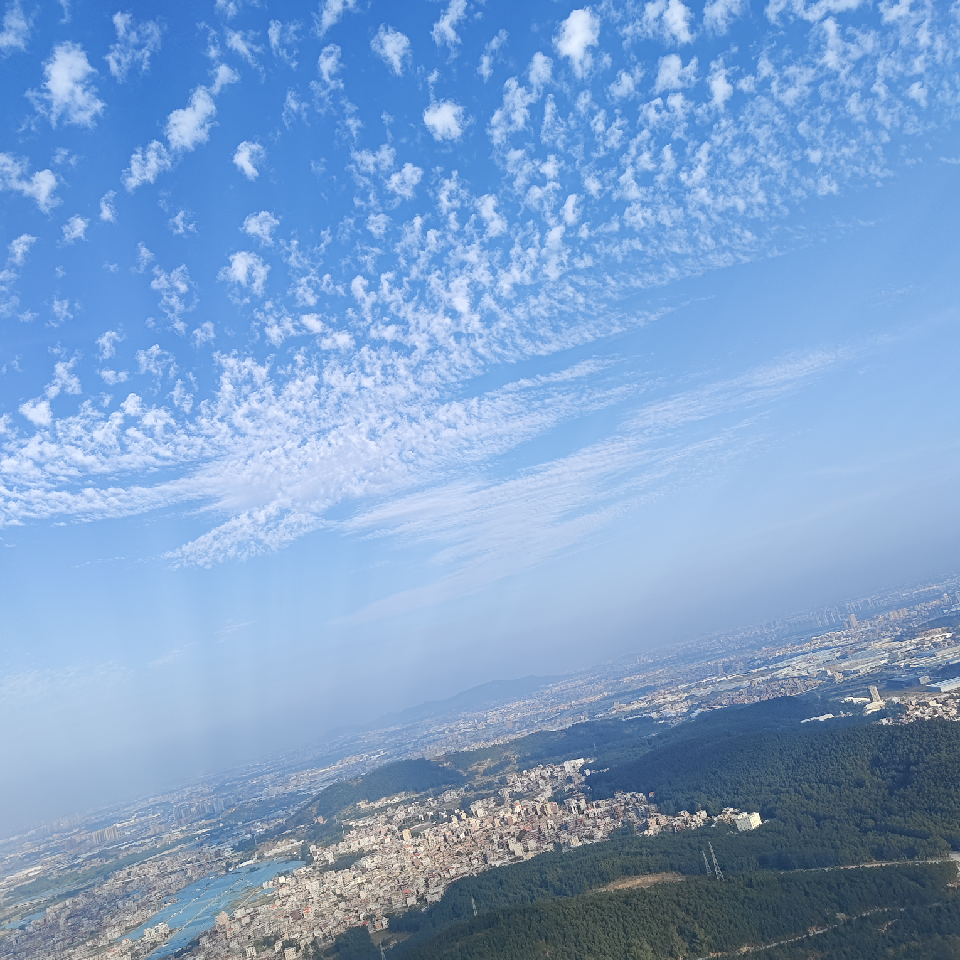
(608, 737)
(876, 777)
(700, 918)
(612, 742)
(413, 776)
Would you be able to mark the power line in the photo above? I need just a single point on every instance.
(716, 866)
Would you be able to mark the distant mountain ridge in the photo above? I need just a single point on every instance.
(485, 695)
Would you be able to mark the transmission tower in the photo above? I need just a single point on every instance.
(716, 866)
(707, 865)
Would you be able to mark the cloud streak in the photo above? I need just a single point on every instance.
(489, 529)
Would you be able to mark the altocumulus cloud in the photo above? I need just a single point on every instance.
(445, 120)
(248, 157)
(68, 92)
(186, 129)
(362, 338)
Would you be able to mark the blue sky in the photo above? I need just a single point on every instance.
(354, 353)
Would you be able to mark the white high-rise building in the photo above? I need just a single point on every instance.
(748, 821)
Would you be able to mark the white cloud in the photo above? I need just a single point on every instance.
(330, 13)
(443, 30)
(339, 340)
(146, 164)
(230, 8)
(719, 14)
(38, 412)
(513, 115)
(294, 107)
(144, 258)
(61, 312)
(107, 344)
(108, 212)
(182, 398)
(19, 248)
(68, 92)
(248, 156)
(62, 156)
(672, 74)
(204, 333)
(540, 70)
(39, 187)
(487, 206)
(188, 127)
(625, 86)
(368, 162)
(112, 377)
(177, 294)
(392, 46)
(260, 226)
(403, 183)
(185, 130)
(329, 65)
(180, 226)
(813, 12)
(16, 29)
(676, 21)
(224, 76)
(377, 224)
(133, 405)
(75, 229)
(134, 47)
(490, 51)
(579, 32)
(242, 43)
(277, 323)
(667, 20)
(918, 93)
(445, 120)
(721, 90)
(246, 270)
(281, 36)
(571, 210)
(157, 362)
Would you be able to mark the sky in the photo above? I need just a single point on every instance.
(356, 353)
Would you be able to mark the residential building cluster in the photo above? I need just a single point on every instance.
(410, 852)
(90, 923)
(925, 706)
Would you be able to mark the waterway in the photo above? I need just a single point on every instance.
(23, 922)
(197, 906)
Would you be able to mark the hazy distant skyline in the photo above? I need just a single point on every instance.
(357, 353)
